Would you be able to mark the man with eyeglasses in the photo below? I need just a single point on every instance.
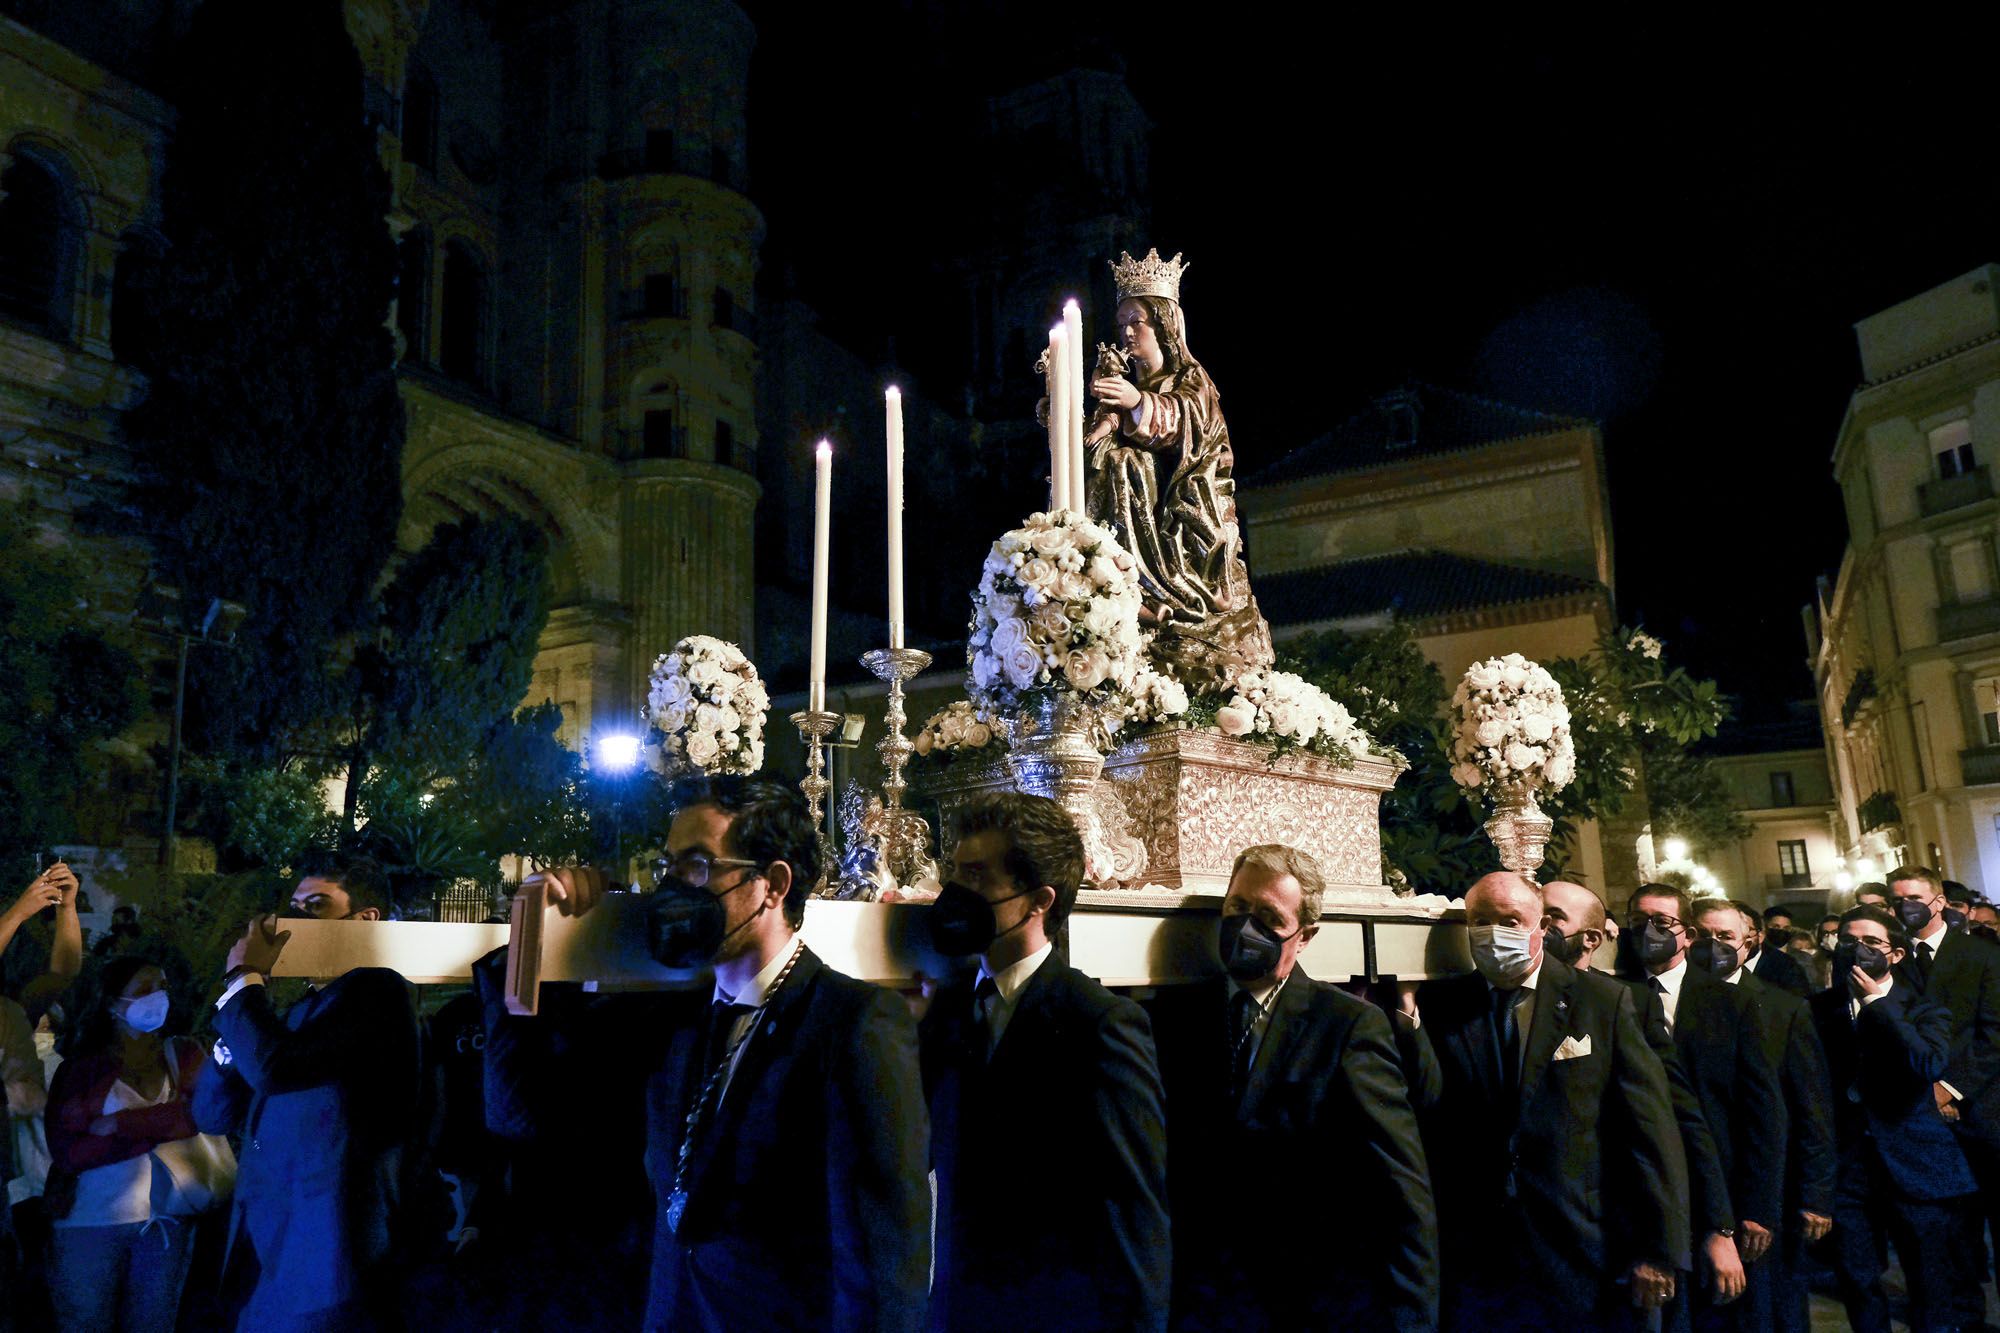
(1901, 1175)
(1717, 1045)
(786, 1137)
(324, 1098)
(1961, 973)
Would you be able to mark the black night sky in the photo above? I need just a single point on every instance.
(1667, 227)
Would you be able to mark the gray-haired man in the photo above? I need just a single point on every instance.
(1263, 1067)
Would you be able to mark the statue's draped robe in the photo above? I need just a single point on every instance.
(1163, 481)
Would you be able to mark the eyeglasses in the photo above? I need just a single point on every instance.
(694, 867)
(1639, 921)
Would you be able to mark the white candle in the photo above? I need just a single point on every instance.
(822, 513)
(1073, 332)
(1059, 469)
(895, 402)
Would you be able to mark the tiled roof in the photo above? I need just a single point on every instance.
(1416, 421)
(1415, 585)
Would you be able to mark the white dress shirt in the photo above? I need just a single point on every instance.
(753, 995)
(1671, 979)
(1856, 1005)
(1524, 1010)
(1008, 982)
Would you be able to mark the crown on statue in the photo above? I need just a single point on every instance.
(1151, 276)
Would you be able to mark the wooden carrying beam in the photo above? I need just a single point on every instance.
(886, 943)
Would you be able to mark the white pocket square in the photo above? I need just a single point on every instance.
(1573, 1048)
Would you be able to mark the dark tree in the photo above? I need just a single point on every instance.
(271, 433)
(67, 688)
(460, 623)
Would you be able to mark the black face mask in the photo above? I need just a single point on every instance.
(1952, 918)
(1914, 913)
(1714, 956)
(962, 922)
(1569, 948)
(1873, 962)
(688, 926)
(1643, 947)
(1249, 950)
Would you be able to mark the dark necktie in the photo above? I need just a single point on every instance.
(1243, 1011)
(1925, 957)
(1659, 988)
(1507, 1036)
(722, 1016)
(985, 999)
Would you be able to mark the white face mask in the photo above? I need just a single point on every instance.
(147, 1013)
(1503, 954)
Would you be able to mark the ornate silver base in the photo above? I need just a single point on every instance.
(907, 837)
(815, 726)
(1520, 831)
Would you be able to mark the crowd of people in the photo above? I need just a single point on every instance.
(1680, 1114)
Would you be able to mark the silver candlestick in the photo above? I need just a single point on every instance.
(908, 835)
(815, 725)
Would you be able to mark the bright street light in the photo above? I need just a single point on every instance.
(1676, 849)
(618, 752)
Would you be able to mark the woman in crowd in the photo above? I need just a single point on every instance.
(121, 1244)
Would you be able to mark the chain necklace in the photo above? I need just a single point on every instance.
(711, 1094)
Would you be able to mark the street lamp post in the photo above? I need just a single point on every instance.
(158, 613)
(618, 752)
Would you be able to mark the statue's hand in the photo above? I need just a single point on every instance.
(1115, 391)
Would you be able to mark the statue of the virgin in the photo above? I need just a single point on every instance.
(1160, 466)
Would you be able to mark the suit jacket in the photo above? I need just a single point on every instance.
(1326, 1072)
(1050, 1161)
(1882, 1064)
(1791, 1043)
(1523, 1190)
(1719, 1045)
(1775, 967)
(1965, 979)
(1709, 1205)
(323, 1099)
(807, 1204)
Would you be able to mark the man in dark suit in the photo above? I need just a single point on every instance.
(1778, 1295)
(1047, 1130)
(785, 1135)
(1961, 973)
(1773, 965)
(1546, 1113)
(324, 1098)
(1901, 1173)
(1264, 1067)
(1716, 1044)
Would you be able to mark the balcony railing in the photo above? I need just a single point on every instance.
(1980, 764)
(1970, 618)
(1941, 494)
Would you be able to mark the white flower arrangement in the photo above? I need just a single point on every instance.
(1289, 711)
(1644, 644)
(706, 700)
(1510, 727)
(1153, 696)
(1057, 609)
(954, 728)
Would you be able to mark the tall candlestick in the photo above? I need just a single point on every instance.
(894, 397)
(822, 515)
(1073, 334)
(1059, 469)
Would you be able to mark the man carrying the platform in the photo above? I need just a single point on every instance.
(324, 1097)
(1277, 1077)
(786, 1139)
(1047, 1132)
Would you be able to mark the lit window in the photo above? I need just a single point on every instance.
(1792, 864)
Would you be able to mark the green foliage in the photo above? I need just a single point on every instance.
(460, 624)
(68, 689)
(271, 431)
(255, 816)
(190, 922)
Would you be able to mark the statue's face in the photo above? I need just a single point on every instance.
(1136, 331)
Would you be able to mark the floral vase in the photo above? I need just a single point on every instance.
(1052, 751)
(1519, 829)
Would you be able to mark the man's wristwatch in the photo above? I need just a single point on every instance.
(1727, 1233)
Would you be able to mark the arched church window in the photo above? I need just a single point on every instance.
(413, 294)
(462, 326)
(36, 243)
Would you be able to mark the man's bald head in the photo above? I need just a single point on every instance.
(1504, 898)
(1574, 905)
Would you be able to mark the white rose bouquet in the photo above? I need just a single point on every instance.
(1288, 711)
(708, 704)
(1153, 696)
(1057, 609)
(1510, 728)
(957, 731)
